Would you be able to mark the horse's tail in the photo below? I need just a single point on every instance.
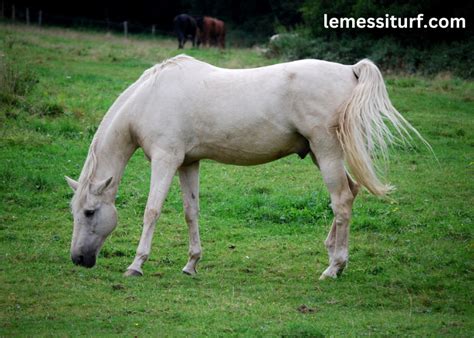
(362, 131)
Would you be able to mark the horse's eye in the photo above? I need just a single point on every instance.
(89, 213)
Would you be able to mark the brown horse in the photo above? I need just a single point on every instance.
(212, 32)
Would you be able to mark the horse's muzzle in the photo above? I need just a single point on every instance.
(87, 260)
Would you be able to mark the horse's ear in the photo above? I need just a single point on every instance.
(100, 187)
(72, 183)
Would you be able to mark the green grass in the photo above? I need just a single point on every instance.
(262, 227)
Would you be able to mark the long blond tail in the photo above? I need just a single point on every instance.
(362, 131)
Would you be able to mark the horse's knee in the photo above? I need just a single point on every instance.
(151, 215)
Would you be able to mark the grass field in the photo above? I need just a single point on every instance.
(262, 228)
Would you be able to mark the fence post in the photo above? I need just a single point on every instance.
(40, 18)
(27, 16)
(153, 30)
(13, 12)
(125, 29)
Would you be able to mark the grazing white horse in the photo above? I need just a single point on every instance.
(184, 110)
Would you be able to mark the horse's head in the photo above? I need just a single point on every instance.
(95, 217)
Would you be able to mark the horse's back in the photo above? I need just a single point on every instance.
(279, 93)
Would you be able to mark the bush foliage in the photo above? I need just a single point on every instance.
(388, 53)
(421, 51)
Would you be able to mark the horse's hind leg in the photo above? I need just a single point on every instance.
(189, 179)
(162, 172)
(342, 189)
(330, 241)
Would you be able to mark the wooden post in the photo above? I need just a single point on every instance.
(40, 18)
(13, 12)
(27, 16)
(125, 29)
(153, 30)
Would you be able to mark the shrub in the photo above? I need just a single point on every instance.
(51, 109)
(15, 82)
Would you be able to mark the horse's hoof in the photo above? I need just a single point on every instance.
(328, 274)
(189, 271)
(131, 272)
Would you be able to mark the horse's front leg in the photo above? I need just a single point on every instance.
(189, 179)
(163, 169)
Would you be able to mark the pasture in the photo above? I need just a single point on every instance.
(262, 227)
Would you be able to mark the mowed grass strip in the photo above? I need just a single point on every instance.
(262, 227)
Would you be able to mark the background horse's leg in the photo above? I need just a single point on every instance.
(330, 159)
(189, 179)
(162, 172)
(180, 40)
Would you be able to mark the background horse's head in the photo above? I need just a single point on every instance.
(95, 217)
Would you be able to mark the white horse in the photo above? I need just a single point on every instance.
(184, 110)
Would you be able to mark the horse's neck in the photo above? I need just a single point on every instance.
(111, 149)
(113, 145)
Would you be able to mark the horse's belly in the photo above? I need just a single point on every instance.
(249, 150)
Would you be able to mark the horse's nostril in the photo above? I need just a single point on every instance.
(84, 260)
(78, 260)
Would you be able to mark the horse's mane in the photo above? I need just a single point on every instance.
(87, 172)
(177, 60)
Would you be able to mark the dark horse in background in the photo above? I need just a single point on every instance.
(212, 31)
(185, 27)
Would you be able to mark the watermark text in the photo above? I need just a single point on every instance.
(391, 21)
